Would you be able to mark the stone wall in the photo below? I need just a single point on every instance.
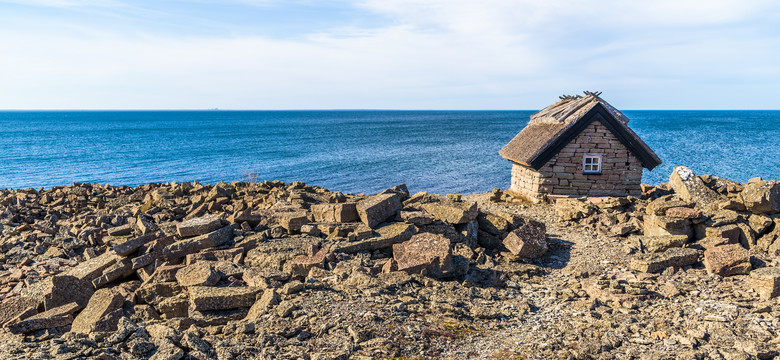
(621, 172)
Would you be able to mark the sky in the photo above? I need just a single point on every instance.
(387, 54)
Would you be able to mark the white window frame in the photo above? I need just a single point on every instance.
(589, 166)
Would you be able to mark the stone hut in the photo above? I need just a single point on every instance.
(578, 146)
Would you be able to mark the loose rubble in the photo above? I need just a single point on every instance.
(291, 271)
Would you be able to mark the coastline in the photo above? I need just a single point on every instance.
(288, 270)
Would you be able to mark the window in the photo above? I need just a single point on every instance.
(591, 164)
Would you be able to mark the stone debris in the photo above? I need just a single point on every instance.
(762, 197)
(278, 270)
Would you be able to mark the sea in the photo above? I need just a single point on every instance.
(354, 151)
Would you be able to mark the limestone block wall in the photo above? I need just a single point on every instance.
(621, 172)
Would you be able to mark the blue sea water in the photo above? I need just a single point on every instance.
(349, 151)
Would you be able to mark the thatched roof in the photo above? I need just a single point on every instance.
(555, 126)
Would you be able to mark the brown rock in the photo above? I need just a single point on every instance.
(59, 290)
(198, 226)
(16, 307)
(452, 212)
(727, 260)
(131, 245)
(683, 213)
(101, 312)
(662, 204)
(711, 242)
(173, 307)
(418, 218)
(166, 273)
(662, 243)
(762, 197)
(93, 268)
(269, 298)
(302, 264)
(378, 208)
(49, 319)
(231, 255)
(339, 213)
(730, 232)
(153, 292)
(492, 224)
(387, 235)
(121, 230)
(766, 281)
(656, 262)
(424, 251)
(197, 274)
(192, 245)
(655, 225)
(292, 220)
(528, 241)
(204, 298)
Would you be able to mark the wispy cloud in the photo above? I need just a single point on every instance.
(433, 54)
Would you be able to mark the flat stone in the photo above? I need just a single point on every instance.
(100, 313)
(122, 269)
(683, 213)
(292, 220)
(121, 230)
(387, 235)
(93, 268)
(197, 274)
(217, 317)
(198, 226)
(762, 197)
(153, 292)
(59, 290)
(656, 262)
(528, 241)
(662, 243)
(16, 307)
(492, 224)
(49, 319)
(212, 298)
(452, 212)
(131, 245)
(173, 307)
(418, 218)
(730, 232)
(302, 264)
(727, 260)
(424, 251)
(338, 213)
(662, 204)
(234, 255)
(268, 300)
(711, 242)
(766, 281)
(655, 225)
(165, 273)
(378, 208)
(192, 245)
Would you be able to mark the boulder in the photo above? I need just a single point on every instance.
(452, 212)
(198, 274)
(153, 293)
(131, 245)
(492, 224)
(339, 213)
(574, 209)
(101, 314)
(378, 208)
(93, 268)
(121, 230)
(269, 298)
(690, 187)
(292, 221)
(766, 282)
(727, 260)
(528, 241)
(427, 252)
(198, 226)
(656, 262)
(204, 298)
(302, 264)
(730, 232)
(762, 197)
(711, 242)
(662, 243)
(660, 205)
(760, 223)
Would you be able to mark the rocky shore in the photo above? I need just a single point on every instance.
(290, 271)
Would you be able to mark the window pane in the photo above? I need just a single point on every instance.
(595, 160)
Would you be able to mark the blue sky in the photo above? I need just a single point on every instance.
(387, 54)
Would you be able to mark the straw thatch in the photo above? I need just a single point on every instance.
(556, 125)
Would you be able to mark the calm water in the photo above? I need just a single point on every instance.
(349, 151)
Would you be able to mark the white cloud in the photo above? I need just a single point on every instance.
(436, 54)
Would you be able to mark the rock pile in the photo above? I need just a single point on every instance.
(151, 268)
